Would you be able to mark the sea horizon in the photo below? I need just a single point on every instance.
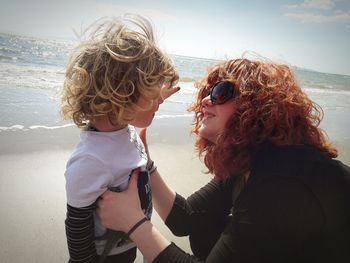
(75, 40)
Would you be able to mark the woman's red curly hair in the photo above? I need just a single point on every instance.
(272, 108)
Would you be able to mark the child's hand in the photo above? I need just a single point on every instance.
(167, 91)
(120, 211)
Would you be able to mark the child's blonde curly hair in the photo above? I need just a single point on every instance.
(109, 72)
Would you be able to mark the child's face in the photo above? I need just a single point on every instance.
(144, 118)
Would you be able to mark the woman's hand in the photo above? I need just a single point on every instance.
(143, 135)
(120, 211)
(167, 90)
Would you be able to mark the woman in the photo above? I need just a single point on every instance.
(277, 194)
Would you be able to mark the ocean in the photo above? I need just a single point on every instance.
(32, 73)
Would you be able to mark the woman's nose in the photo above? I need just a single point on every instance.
(206, 101)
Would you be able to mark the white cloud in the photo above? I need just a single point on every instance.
(314, 4)
(336, 17)
(318, 12)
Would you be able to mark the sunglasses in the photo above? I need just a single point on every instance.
(221, 92)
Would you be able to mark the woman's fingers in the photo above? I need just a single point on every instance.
(167, 91)
(104, 206)
(118, 210)
(133, 180)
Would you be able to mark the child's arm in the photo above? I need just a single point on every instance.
(83, 187)
(80, 234)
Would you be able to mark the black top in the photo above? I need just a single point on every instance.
(295, 207)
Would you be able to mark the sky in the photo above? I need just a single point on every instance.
(312, 34)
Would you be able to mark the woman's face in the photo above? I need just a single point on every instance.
(215, 118)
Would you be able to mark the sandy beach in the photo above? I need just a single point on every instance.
(32, 186)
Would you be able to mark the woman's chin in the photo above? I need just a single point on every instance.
(205, 134)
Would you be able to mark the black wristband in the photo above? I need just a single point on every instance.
(151, 167)
(127, 235)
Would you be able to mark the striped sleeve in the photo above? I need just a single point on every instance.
(80, 234)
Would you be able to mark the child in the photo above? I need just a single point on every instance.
(113, 83)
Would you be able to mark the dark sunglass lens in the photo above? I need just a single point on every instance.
(221, 93)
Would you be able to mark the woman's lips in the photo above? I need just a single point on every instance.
(207, 115)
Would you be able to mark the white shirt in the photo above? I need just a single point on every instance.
(100, 161)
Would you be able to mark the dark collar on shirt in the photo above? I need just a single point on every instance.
(90, 127)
